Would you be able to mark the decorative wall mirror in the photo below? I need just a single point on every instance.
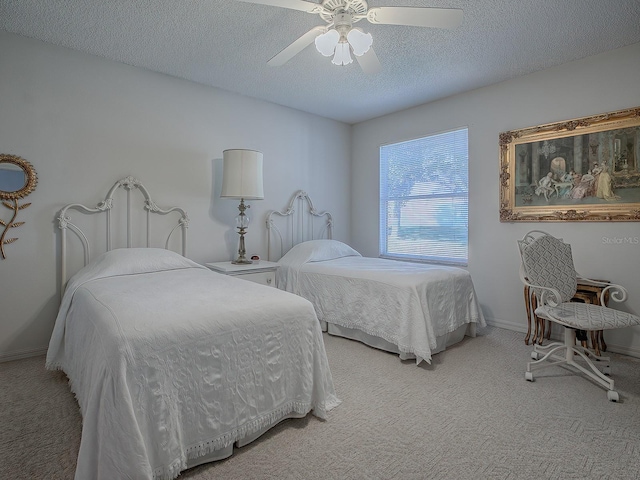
(18, 179)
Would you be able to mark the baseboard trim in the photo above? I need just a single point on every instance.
(556, 335)
(22, 354)
(506, 325)
(622, 350)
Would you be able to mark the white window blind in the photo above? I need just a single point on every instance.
(424, 197)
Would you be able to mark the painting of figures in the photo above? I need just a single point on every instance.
(583, 169)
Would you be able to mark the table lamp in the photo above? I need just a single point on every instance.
(242, 178)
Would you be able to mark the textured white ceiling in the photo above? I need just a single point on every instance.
(227, 43)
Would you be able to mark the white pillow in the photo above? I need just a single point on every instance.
(318, 251)
(128, 261)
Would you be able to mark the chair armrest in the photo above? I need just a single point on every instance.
(549, 296)
(616, 292)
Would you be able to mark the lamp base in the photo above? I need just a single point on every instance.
(241, 261)
(242, 251)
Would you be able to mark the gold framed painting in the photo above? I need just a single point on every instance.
(586, 169)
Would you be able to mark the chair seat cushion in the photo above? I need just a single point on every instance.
(586, 316)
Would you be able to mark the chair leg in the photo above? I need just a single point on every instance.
(566, 353)
(569, 339)
(548, 329)
(527, 304)
(540, 323)
(595, 342)
(603, 346)
(538, 336)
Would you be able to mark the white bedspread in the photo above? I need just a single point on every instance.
(407, 304)
(170, 361)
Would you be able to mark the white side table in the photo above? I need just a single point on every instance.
(263, 272)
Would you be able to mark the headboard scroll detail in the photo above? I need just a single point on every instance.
(128, 183)
(302, 222)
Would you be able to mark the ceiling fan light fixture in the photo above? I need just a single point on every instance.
(339, 38)
(327, 42)
(343, 55)
(360, 42)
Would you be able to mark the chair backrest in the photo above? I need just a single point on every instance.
(547, 262)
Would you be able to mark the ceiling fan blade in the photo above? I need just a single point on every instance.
(296, 47)
(369, 62)
(416, 16)
(292, 4)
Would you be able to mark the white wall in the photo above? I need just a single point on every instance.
(85, 122)
(593, 85)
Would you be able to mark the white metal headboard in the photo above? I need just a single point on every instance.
(129, 183)
(299, 225)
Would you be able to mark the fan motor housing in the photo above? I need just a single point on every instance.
(332, 8)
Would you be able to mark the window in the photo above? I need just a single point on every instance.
(424, 197)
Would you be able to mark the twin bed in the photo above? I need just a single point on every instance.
(173, 365)
(412, 309)
(170, 362)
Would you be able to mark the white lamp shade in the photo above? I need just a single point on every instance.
(242, 174)
(326, 43)
(360, 42)
(342, 56)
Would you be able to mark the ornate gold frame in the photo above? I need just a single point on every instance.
(30, 173)
(10, 199)
(586, 144)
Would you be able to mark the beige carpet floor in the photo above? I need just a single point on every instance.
(469, 415)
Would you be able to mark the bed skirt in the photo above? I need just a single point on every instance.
(226, 452)
(442, 342)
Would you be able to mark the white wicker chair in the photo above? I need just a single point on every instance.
(547, 267)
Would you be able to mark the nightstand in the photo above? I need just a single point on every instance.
(262, 272)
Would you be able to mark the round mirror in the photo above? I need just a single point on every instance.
(17, 177)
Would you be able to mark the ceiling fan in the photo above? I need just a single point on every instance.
(340, 38)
